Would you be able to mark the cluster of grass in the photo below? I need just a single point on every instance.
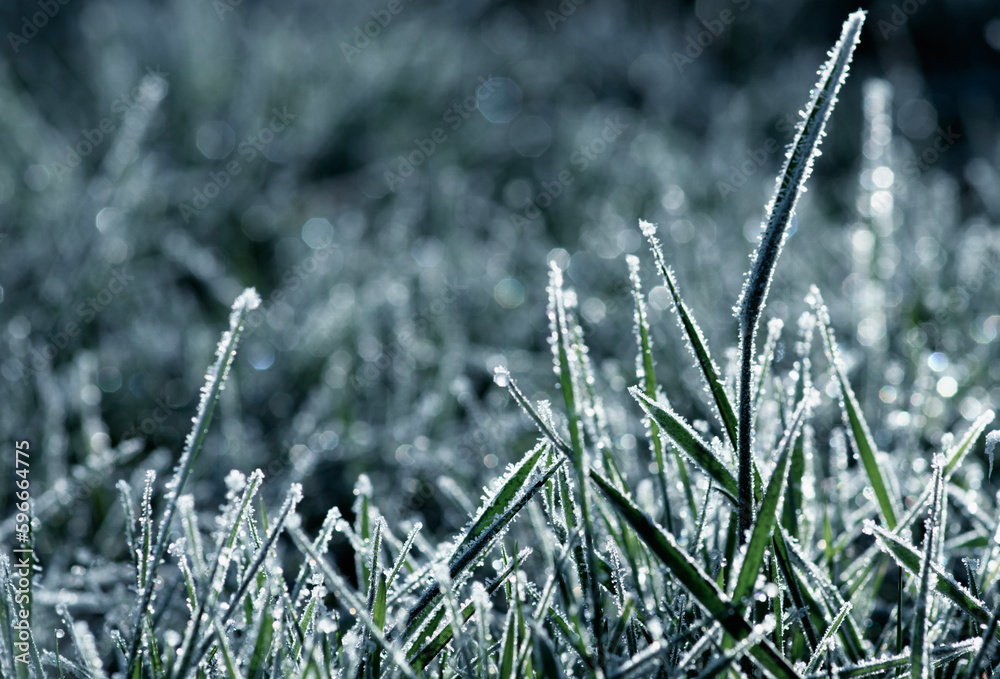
(732, 547)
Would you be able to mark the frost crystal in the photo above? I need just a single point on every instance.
(991, 442)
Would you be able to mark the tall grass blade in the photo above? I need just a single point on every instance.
(215, 381)
(646, 372)
(789, 185)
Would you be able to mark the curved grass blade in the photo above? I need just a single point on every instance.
(694, 579)
(909, 557)
(696, 340)
(764, 526)
(682, 434)
(788, 187)
(215, 381)
(854, 421)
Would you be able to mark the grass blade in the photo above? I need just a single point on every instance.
(920, 661)
(695, 580)
(215, 381)
(696, 340)
(764, 526)
(469, 552)
(854, 421)
(910, 558)
(789, 185)
(687, 439)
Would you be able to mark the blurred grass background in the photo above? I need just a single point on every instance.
(396, 195)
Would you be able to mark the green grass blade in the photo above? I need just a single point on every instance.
(910, 558)
(685, 437)
(827, 639)
(646, 373)
(694, 579)
(214, 383)
(854, 421)
(469, 553)
(920, 657)
(696, 340)
(790, 184)
(378, 619)
(760, 539)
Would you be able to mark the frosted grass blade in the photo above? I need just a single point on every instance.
(687, 439)
(789, 185)
(827, 639)
(694, 579)
(910, 558)
(764, 526)
(469, 551)
(646, 372)
(920, 657)
(696, 340)
(854, 421)
(215, 381)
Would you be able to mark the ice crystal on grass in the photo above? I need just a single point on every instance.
(991, 443)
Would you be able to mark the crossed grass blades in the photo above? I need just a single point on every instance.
(723, 552)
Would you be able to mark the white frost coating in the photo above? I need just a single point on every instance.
(991, 442)
(797, 168)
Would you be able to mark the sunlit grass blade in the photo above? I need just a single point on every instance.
(854, 421)
(920, 656)
(827, 639)
(789, 185)
(470, 552)
(214, 383)
(343, 591)
(696, 340)
(910, 558)
(569, 369)
(646, 373)
(694, 579)
(688, 440)
(760, 539)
